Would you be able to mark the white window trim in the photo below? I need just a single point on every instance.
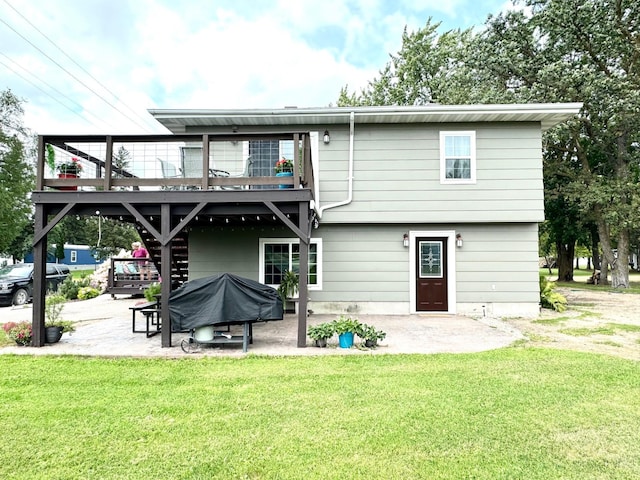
(73, 254)
(472, 140)
(316, 241)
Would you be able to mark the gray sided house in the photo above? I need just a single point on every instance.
(430, 209)
(390, 210)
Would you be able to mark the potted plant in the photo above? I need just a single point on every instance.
(346, 327)
(288, 288)
(54, 326)
(18, 332)
(51, 158)
(370, 335)
(152, 290)
(321, 333)
(70, 169)
(284, 168)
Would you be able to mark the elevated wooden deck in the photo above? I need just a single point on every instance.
(166, 183)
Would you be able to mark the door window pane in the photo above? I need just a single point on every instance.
(430, 259)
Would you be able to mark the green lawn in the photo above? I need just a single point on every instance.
(506, 414)
(580, 281)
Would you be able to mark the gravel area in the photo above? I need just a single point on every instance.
(596, 321)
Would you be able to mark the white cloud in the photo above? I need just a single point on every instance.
(197, 54)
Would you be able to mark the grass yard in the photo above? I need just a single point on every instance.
(505, 414)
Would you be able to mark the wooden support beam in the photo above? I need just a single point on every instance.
(140, 218)
(39, 277)
(165, 273)
(41, 233)
(299, 233)
(303, 225)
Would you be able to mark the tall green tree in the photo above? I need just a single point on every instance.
(553, 51)
(16, 172)
(108, 236)
(587, 51)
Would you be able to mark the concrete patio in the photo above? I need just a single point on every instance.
(103, 328)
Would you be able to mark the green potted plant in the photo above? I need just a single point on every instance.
(152, 290)
(321, 333)
(370, 335)
(346, 327)
(69, 169)
(288, 288)
(54, 326)
(51, 158)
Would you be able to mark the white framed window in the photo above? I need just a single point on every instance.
(73, 256)
(458, 157)
(277, 255)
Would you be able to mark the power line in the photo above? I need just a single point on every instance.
(46, 93)
(73, 61)
(52, 88)
(72, 75)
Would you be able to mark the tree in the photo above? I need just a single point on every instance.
(108, 236)
(556, 51)
(588, 51)
(16, 173)
(121, 163)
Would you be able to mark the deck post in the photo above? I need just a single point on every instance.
(303, 225)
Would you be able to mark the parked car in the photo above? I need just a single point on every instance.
(16, 281)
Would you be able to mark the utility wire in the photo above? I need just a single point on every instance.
(52, 88)
(74, 62)
(71, 74)
(46, 93)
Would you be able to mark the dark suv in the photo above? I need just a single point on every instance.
(16, 281)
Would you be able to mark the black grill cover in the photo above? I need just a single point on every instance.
(223, 298)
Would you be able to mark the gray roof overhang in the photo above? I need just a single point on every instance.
(547, 114)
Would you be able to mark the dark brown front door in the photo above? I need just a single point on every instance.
(431, 274)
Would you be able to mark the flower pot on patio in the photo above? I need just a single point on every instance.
(53, 334)
(346, 340)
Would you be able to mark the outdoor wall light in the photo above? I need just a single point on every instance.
(326, 139)
(405, 240)
(459, 241)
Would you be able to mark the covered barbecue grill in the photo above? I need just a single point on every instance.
(204, 304)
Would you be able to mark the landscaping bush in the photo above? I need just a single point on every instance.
(70, 287)
(85, 293)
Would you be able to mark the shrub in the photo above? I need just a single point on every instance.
(18, 332)
(151, 291)
(70, 287)
(85, 293)
(549, 298)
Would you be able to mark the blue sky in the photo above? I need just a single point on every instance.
(97, 66)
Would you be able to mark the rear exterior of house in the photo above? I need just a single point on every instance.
(416, 209)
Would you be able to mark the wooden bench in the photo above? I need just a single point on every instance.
(151, 311)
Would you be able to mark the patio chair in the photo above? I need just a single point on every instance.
(169, 170)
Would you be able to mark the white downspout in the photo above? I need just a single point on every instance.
(350, 178)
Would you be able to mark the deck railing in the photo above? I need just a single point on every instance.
(173, 162)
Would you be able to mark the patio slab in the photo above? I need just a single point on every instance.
(103, 328)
